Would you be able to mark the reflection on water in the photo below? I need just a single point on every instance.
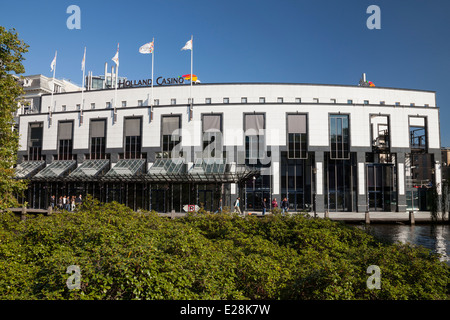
(433, 237)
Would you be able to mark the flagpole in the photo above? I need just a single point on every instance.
(82, 85)
(115, 93)
(53, 81)
(152, 101)
(192, 64)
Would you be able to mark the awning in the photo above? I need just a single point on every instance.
(89, 170)
(167, 170)
(56, 170)
(126, 170)
(27, 169)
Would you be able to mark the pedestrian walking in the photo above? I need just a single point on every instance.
(264, 206)
(219, 206)
(52, 202)
(60, 203)
(72, 204)
(236, 206)
(285, 205)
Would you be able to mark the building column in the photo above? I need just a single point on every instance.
(319, 179)
(362, 205)
(401, 183)
(276, 191)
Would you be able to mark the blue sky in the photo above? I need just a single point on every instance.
(322, 41)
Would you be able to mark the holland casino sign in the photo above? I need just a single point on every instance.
(148, 82)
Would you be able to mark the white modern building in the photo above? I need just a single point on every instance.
(323, 147)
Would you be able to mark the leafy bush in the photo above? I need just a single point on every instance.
(127, 255)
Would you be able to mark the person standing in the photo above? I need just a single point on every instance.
(60, 203)
(73, 203)
(78, 200)
(264, 206)
(52, 201)
(274, 203)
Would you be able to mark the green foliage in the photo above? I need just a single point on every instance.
(127, 255)
(11, 57)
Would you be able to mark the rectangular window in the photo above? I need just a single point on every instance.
(280, 100)
(243, 100)
(64, 108)
(212, 136)
(349, 101)
(316, 100)
(297, 136)
(333, 100)
(171, 135)
(132, 138)
(98, 139)
(417, 134)
(412, 104)
(92, 105)
(124, 104)
(298, 100)
(140, 103)
(108, 105)
(366, 101)
(254, 136)
(173, 101)
(226, 100)
(339, 136)
(35, 141)
(156, 102)
(382, 102)
(65, 136)
(78, 106)
(262, 100)
(397, 103)
(208, 100)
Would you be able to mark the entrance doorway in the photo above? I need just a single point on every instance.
(205, 199)
(380, 186)
(159, 200)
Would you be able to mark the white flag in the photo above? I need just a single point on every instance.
(188, 45)
(53, 64)
(84, 60)
(147, 48)
(116, 57)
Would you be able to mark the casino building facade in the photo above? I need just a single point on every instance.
(324, 147)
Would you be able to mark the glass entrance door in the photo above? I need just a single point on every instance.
(380, 186)
(205, 199)
(159, 200)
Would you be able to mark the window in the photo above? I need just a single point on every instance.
(254, 136)
(208, 100)
(35, 141)
(382, 102)
(412, 104)
(171, 135)
(296, 135)
(92, 105)
(108, 105)
(65, 136)
(339, 137)
(64, 107)
(156, 102)
(298, 100)
(316, 100)
(98, 140)
(349, 101)
(212, 135)
(243, 100)
(226, 100)
(132, 138)
(333, 100)
(124, 104)
(173, 101)
(78, 106)
(140, 103)
(397, 103)
(190, 100)
(379, 126)
(280, 100)
(366, 101)
(427, 105)
(262, 100)
(417, 133)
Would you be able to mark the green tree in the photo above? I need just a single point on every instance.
(11, 57)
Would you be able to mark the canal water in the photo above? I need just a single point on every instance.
(431, 236)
